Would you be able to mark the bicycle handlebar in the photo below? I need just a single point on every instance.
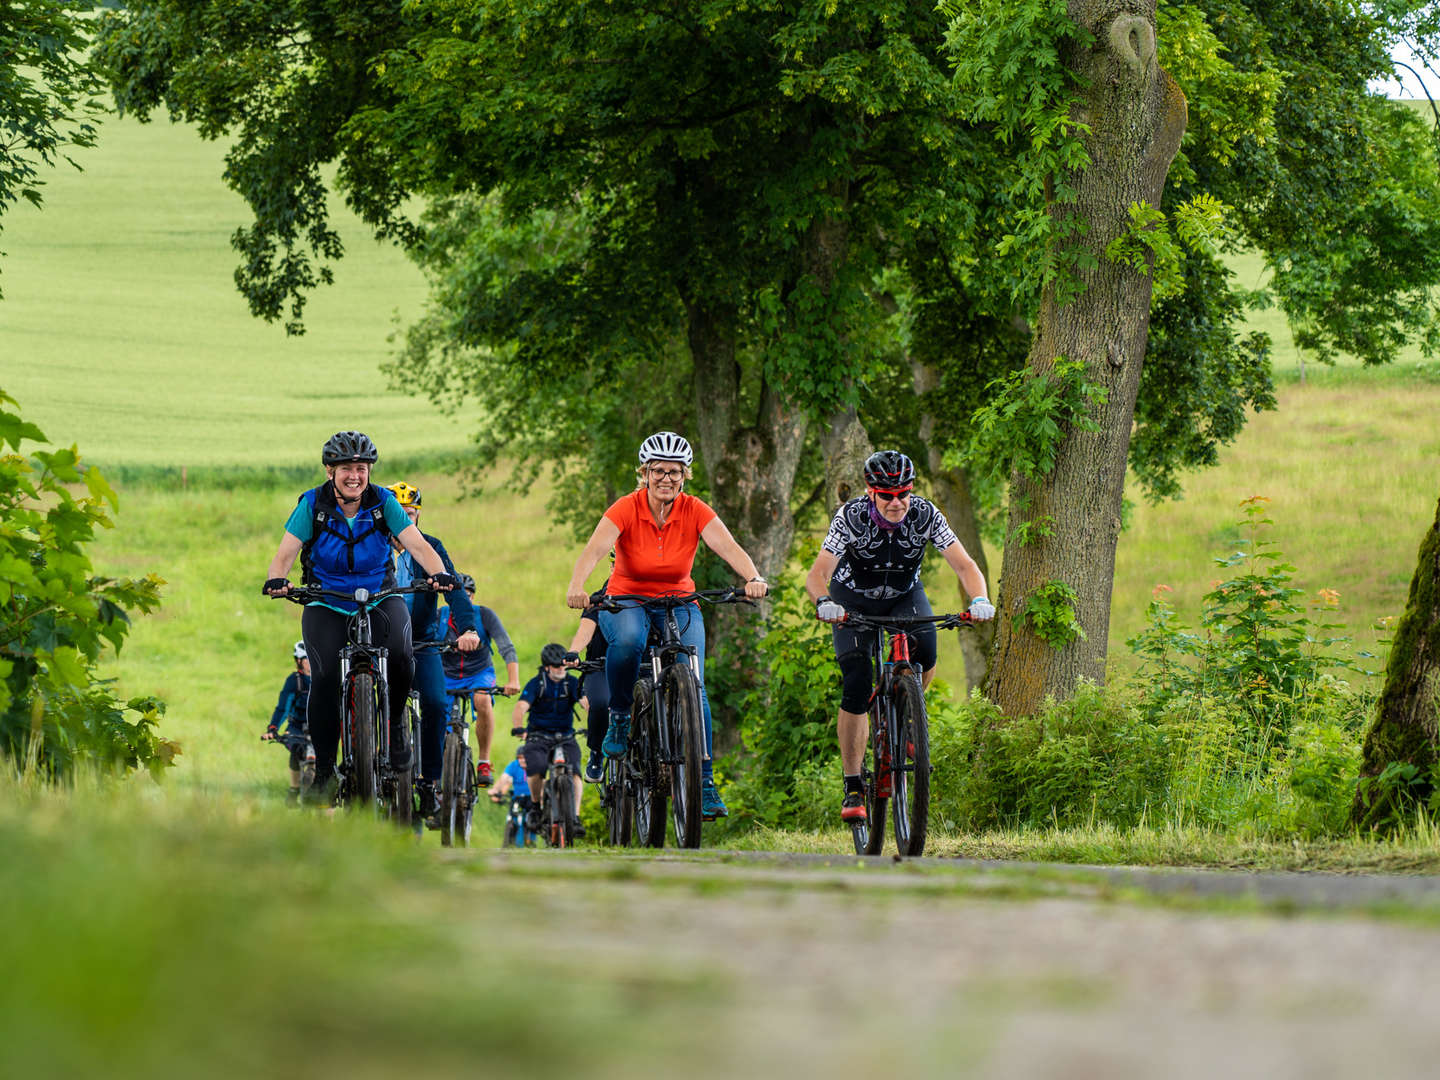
(728, 595)
(952, 621)
(304, 594)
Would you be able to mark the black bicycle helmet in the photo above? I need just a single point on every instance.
(889, 469)
(346, 446)
(467, 583)
(552, 654)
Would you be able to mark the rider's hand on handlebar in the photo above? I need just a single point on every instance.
(981, 609)
(270, 735)
(518, 732)
(512, 688)
(827, 610)
(469, 641)
(756, 588)
(276, 586)
(577, 597)
(443, 582)
(572, 658)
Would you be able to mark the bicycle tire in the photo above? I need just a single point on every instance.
(512, 832)
(910, 806)
(872, 771)
(562, 811)
(362, 738)
(687, 740)
(470, 793)
(644, 758)
(618, 800)
(451, 787)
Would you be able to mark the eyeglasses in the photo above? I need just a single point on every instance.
(666, 474)
(891, 496)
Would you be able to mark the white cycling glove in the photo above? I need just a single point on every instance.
(827, 610)
(981, 609)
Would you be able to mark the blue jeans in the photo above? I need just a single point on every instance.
(434, 712)
(626, 632)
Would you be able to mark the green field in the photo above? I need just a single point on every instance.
(121, 326)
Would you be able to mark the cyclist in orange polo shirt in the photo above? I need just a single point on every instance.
(655, 532)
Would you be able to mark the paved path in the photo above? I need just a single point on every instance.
(822, 965)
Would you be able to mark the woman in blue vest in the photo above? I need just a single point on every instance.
(342, 531)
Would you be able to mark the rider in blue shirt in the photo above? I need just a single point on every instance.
(342, 530)
(549, 699)
(428, 625)
(290, 711)
(475, 672)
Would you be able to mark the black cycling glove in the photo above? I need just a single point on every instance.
(572, 657)
(517, 731)
(274, 583)
(444, 582)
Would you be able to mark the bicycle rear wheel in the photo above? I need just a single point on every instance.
(362, 738)
(469, 794)
(644, 761)
(452, 788)
(687, 745)
(911, 742)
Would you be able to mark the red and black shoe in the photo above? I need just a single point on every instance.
(852, 809)
(484, 774)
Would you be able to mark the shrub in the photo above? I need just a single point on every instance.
(56, 617)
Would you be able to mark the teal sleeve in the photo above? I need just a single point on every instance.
(396, 519)
(301, 527)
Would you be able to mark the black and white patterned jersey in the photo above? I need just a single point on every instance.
(881, 563)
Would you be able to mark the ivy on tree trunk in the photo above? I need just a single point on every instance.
(1064, 525)
(1405, 726)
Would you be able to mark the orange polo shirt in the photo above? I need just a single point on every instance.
(649, 560)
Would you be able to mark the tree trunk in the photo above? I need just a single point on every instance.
(1405, 726)
(952, 495)
(750, 466)
(845, 447)
(1136, 115)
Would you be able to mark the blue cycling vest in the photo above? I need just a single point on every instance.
(345, 557)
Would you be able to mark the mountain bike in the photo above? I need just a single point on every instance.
(896, 770)
(459, 789)
(516, 834)
(558, 812)
(368, 773)
(302, 754)
(666, 752)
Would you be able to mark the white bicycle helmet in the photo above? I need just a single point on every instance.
(299, 650)
(666, 446)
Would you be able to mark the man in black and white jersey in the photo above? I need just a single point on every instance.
(870, 564)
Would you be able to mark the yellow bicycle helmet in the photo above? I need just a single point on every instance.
(406, 495)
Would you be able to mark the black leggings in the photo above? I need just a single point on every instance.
(597, 692)
(326, 632)
(852, 647)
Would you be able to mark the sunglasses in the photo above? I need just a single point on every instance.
(891, 496)
(666, 474)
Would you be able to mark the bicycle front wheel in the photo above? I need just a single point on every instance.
(644, 760)
(687, 747)
(452, 788)
(619, 808)
(877, 780)
(563, 807)
(362, 738)
(911, 743)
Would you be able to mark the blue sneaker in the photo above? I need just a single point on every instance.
(617, 738)
(711, 805)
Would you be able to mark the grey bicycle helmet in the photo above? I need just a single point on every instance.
(300, 653)
(889, 469)
(666, 446)
(552, 654)
(346, 446)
